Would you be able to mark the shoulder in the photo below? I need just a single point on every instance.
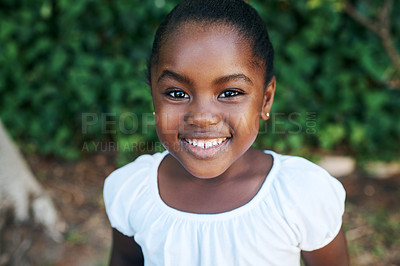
(126, 184)
(303, 179)
(141, 163)
(133, 172)
(310, 200)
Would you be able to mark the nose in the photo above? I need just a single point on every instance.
(203, 119)
(202, 115)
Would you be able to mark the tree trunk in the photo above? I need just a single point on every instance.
(20, 193)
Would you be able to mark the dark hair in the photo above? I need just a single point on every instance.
(236, 13)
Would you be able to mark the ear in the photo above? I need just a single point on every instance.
(268, 99)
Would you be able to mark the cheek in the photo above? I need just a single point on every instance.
(168, 124)
(164, 124)
(245, 121)
(165, 132)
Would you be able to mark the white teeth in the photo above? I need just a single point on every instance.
(200, 144)
(205, 144)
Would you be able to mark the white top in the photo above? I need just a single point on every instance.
(299, 207)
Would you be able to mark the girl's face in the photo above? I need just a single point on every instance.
(209, 95)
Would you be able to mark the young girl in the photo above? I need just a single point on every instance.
(212, 199)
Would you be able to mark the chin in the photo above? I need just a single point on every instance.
(208, 171)
(205, 175)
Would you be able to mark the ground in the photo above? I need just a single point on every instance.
(371, 221)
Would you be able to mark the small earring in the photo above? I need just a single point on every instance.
(267, 114)
(154, 113)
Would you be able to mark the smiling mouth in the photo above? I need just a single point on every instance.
(205, 143)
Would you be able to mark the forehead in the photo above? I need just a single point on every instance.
(209, 46)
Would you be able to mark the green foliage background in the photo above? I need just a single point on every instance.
(66, 62)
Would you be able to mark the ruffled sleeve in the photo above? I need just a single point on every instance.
(120, 190)
(314, 203)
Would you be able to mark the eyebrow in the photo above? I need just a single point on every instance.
(184, 79)
(233, 77)
(170, 74)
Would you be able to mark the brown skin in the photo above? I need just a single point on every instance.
(333, 254)
(196, 72)
(207, 85)
(125, 251)
(181, 191)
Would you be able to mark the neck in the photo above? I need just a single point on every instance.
(242, 167)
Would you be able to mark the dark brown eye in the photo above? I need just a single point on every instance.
(229, 93)
(178, 94)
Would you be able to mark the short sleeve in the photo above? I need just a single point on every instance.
(120, 190)
(315, 205)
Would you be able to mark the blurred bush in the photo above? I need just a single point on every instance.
(333, 80)
(72, 74)
(70, 70)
